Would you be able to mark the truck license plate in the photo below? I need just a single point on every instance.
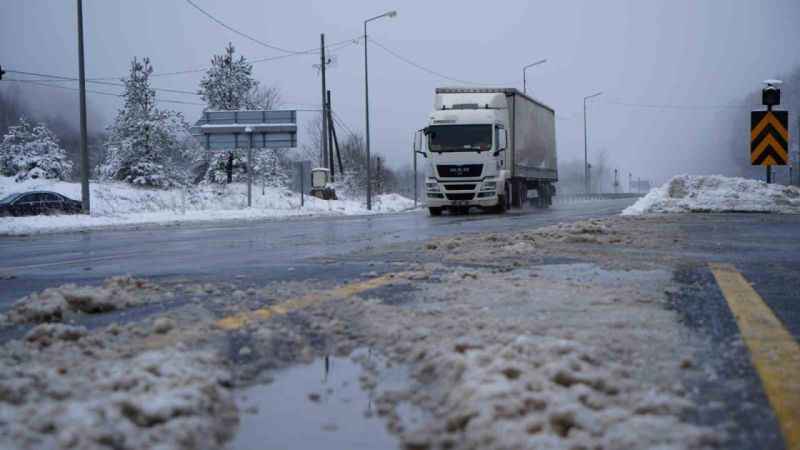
(460, 202)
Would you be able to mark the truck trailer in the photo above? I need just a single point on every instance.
(492, 148)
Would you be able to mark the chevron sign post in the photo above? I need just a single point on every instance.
(769, 138)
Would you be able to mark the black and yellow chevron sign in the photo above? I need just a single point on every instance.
(769, 138)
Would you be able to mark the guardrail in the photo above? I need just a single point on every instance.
(585, 197)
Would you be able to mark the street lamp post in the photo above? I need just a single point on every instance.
(524, 79)
(366, 104)
(586, 145)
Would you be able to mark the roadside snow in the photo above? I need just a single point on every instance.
(169, 398)
(119, 204)
(715, 193)
(53, 304)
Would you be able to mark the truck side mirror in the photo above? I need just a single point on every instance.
(419, 139)
(502, 141)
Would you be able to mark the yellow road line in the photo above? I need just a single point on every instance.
(237, 321)
(774, 352)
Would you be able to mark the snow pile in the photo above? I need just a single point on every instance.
(542, 392)
(115, 203)
(158, 399)
(715, 193)
(53, 304)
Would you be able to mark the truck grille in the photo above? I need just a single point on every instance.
(460, 196)
(462, 170)
(459, 187)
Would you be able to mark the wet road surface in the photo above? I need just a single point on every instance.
(274, 250)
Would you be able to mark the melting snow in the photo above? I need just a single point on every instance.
(715, 193)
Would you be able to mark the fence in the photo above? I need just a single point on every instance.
(585, 197)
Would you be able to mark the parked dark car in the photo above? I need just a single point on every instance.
(39, 202)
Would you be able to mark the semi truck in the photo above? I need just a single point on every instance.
(492, 148)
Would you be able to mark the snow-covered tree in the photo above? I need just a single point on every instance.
(228, 83)
(29, 151)
(146, 145)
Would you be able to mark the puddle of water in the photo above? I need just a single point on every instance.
(288, 417)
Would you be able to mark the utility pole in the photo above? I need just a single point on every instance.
(630, 178)
(586, 145)
(82, 84)
(328, 119)
(324, 137)
(616, 182)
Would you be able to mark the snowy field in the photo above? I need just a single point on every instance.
(715, 193)
(118, 204)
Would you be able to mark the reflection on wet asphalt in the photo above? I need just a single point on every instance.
(309, 407)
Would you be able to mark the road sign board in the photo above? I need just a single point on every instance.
(228, 130)
(769, 138)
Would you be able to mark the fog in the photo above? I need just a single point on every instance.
(673, 73)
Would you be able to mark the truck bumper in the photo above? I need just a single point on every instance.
(443, 202)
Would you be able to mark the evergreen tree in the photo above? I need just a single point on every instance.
(146, 145)
(228, 83)
(29, 151)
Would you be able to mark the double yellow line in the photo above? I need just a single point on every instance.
(242, 319)
(774, 352)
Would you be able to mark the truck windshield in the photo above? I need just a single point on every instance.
(459, 138)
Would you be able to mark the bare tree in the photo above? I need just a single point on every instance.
(261, 97)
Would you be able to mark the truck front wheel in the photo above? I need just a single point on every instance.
(435, 211)
(502, 201)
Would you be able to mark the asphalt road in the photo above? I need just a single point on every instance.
(765, 249)
(273, 250)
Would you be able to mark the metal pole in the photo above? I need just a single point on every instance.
(586, 144)
(524, 83)
(85, 203)
(302, 183)
(585, 152)
(250, 170)
(366, 114)
(415, 178)
(769, 168)
(524, 79)
(322, 64)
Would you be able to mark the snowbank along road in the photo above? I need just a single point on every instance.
(572, 327)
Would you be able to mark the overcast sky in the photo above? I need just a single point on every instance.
(638, 52)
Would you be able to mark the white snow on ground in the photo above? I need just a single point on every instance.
(166, 399)
(115, 204)
(715, 193)
(54, 304)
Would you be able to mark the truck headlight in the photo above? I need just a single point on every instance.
(432, 187)
(489, 186)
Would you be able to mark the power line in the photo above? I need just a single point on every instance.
(59, 78)
(38, 83)
(240, 33)
(679, 107)
(425, 69)
(338, 119)
(332, 47)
